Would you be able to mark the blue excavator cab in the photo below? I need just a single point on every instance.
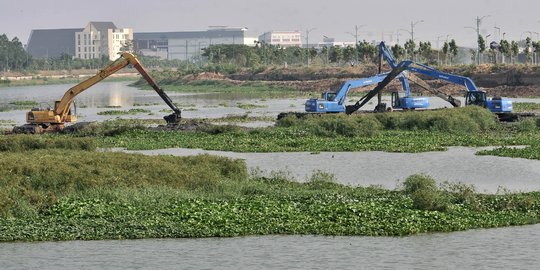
(495, 104)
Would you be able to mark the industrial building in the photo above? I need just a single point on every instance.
(52, 43)
(282, 38)
(188, 45)
(93, 41)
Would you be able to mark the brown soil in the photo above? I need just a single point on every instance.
(505, 81)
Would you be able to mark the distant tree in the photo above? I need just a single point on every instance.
(12, 54)
(325, 54)
(536, 46)
(424, 50)
(481, 46)
(366, 51)
(528, 49)
(504, 48)
(349, 54)
(129, 46)
(312, 52)
(336, 54)
(397, 51)
(410, 47)
(514, 49)
(445, 50)
(453, 49)
(472, 52)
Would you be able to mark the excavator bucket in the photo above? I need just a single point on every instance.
(173, 119)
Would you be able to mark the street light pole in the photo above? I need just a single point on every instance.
(498, 32)
(438, 51)
(356, 39)
(412, 28)
(307, 43)
(478, 21)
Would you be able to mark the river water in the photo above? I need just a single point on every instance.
(501, 248)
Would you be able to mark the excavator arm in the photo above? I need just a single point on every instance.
(431, 72)
(396, 71)
(55, 119)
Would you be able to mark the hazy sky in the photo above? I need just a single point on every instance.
(328, 18)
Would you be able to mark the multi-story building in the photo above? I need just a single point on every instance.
(188, 45)
(101, 38)
(282, 38)
(45, 43)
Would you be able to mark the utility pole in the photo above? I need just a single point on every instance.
(307, 43)
(478, 22)
(355, 35)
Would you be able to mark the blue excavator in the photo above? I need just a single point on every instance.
(334, 102)
(473, 95)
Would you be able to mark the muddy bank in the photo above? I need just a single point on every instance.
(508, 81)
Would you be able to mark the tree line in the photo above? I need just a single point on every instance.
(14, 57)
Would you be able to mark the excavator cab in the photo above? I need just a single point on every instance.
(329, 96)
(476, 98)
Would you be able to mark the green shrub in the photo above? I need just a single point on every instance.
(321, 180)
(527, 125)
(424, 193)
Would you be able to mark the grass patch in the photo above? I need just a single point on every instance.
(123, 112)
(526, 106)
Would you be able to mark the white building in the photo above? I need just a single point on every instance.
(188, 45)
(101, 38)
(331, 42)
(282, 38)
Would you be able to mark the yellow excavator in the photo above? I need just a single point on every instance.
(40, 120)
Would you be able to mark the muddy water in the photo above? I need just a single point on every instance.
(503, 248)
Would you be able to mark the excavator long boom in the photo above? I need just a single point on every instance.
(39, 119)
(62, 106)
(396, 71)
(428, 71)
